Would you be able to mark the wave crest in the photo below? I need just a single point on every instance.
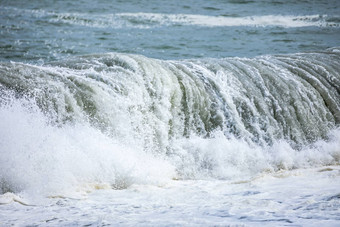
(121, 119)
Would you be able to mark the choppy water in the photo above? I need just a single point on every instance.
(41, 30)
(104, 105)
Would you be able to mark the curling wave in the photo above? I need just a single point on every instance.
(120, 119)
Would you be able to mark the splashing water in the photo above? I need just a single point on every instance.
(117, 120)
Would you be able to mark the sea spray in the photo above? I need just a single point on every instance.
(120, 119)
(46, 159)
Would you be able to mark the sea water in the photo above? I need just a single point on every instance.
(169, 113)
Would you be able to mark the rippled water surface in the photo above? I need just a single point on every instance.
(45, 30)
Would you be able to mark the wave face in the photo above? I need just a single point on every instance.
(119, 119)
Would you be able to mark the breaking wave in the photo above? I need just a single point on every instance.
(118, 119)
(150, 20)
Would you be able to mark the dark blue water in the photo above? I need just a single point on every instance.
(41, 31)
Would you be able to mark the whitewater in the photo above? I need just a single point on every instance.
(88, 126)
(171, 113)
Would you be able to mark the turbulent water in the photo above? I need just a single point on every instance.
(216, 136)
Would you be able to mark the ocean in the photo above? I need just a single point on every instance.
(170, 113)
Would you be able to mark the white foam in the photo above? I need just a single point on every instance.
(221, 21)
(307, 197)
(230, 158)
(138, 131)
(149, 20)
(41, 159)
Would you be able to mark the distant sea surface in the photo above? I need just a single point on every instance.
(50, 30)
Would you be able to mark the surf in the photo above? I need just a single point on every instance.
(120, 119)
